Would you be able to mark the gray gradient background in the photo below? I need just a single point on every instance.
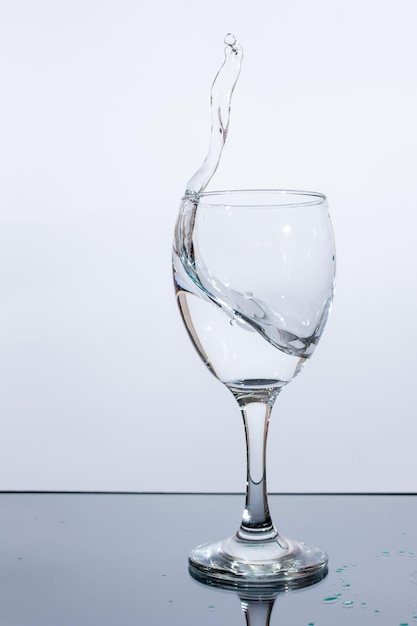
(104, 115)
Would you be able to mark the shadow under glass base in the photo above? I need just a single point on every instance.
(278, 562)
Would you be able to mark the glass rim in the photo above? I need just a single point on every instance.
(304, 198)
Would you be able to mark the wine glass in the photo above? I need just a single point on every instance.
(254, 279)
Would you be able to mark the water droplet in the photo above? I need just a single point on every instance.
(411, 554)
(339, 570)
(403, 624)
(401, 552)
(230, 40)
(376, 612)
(348, 604)
(248, 295)
(233, 322)
(211, 607)
(364, 605)
(346, 585)
(385, 553)
(330, 599)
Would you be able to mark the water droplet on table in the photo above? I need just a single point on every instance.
(330, 599)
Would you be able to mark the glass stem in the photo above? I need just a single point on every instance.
(257, 613)
(256, 520)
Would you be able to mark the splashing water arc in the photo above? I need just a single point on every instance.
(246, 311)
(221, 97)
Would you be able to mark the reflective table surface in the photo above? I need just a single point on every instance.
(121, 559)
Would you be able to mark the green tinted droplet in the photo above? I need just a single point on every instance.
(330, 599)
(400, 552)
(364, 605)
(411, 554)
(376, 612)
(347, 604)
(346, 585)
(211, 607)
(385, 553)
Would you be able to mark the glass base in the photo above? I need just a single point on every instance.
(278, 562)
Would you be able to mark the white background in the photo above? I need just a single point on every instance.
(104, 117)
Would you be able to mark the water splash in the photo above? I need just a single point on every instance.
(295, 334)
(221, 97)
